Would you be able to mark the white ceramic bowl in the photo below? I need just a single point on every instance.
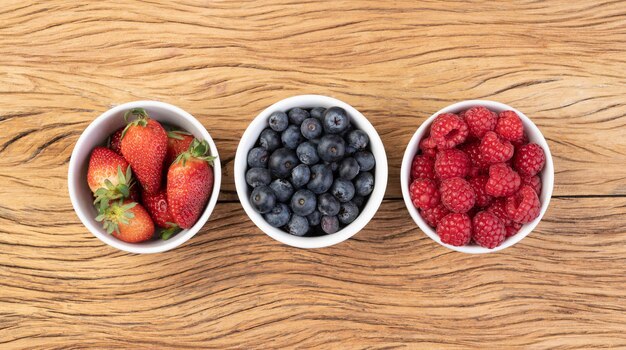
(249, 139)
(534, 135)
(96, 134)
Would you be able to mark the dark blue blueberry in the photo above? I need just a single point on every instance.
(298, 115)
(366, 160)
(291, 137)
(333, 166)
(283, 190)
(300, 175)
(321, 179)
(278, 121)
(307, 153)
(269, 139)
(350, 150)
(281, 162)
(329, 224)
(315, 142)
(318, 113)
(336, 120)
(348, 213)
(358, 139)
(331, 148)
(257, 157)
(327, 204)
(262, 199)
(303, 202)
(311, 128)
(349, 168)
(278, 216)
(364, 183)
(314, 218)
(256, 177)
(298, 225)
(358, 200)
(342, 189)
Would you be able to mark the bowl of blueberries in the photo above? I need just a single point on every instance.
(310, 171)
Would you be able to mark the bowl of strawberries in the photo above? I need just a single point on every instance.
(144, 177)
(477, 176)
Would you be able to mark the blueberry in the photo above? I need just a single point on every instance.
(297, 116)
(336, 120)
(256, 177)
(348, 213)
(307, 153)
(314, 218)
(357, 139)
(321, 179)
(330, 224)
(333, 166)
(281, 162)
(315, 142)
(279, 121)
(278, 216)
(327, 204)
(318, 113)
(262, 199)
(257, 157)
(298, 225)
(350, 150)
(331, 148)
(349, 168)
(269, 139)
(358, 200)
(283, 190)
(311, 128)
(366, 160)
(300, 175)
(291, 137)
(303, 202)
(342, 189)
(364, 183)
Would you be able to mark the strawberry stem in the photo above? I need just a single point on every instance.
(198, 149)
(141, 119)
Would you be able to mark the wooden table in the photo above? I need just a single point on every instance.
(563, 63)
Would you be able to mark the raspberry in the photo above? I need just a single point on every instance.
(524, 206)
(424, 193)
(493, 149)
(451, 163)
(534, 182)
(457, 195)
(428, 147)
(448, 130)
(434, 215)
(522, 142)
(529, 159)
(509, 126)
(498, 209)
(472, 150)
(503, 181)
(423, 168)
(455, 229)
(489, 231)
(479, 120)
(478, 184)
(512, 229)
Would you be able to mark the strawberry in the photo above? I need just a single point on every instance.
(177, 143)
(156, 204)
(144, 144)
(190, 183)
(108, 175)
(126, 220)
(115, 141)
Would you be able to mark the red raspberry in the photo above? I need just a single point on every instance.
(534, 182)
(489, 231)
(448, 130)
(510, 126)
(480, 120)
(457, 195)
(529, 159)
(424, 193)
(503, 181)
(522, 142)
(428, 147)
(498, 209)
(455, 229)
(434, 215)
(472, 150)
(115, 143)
(524, 206)
(451, 163)
(512, 229)
(423, 167)
(493, 149)
(478, 184)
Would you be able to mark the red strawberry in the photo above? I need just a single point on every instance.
(156, 204)
(108, 175)
(144, 144)
(177, 143)
(126, 220)
(115, 141)
(189, 184)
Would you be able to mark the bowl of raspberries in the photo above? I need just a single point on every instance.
(310, 171)
(477, 176)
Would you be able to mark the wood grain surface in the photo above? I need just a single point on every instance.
(563, 63)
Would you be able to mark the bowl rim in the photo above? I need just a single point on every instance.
(380, 174)
(535, 136)
(74, 178)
